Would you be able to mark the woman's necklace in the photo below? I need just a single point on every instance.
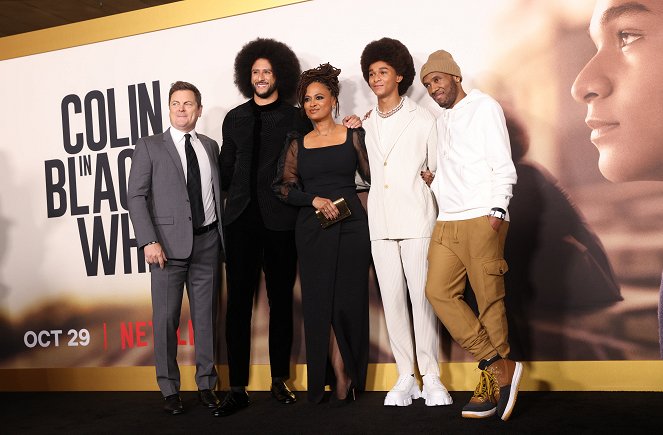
(392, 111)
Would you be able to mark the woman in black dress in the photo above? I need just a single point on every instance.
(314, 171)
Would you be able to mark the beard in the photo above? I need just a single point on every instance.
(450, 98)
(266, 93)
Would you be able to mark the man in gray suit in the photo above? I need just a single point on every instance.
(175, 206)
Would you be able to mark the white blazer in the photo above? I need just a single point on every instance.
(400, 204)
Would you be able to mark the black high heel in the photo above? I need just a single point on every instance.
(350, 396)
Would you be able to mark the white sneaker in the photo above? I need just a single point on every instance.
(435, 392)
(403, 392)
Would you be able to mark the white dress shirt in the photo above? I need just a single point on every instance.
(205, 169)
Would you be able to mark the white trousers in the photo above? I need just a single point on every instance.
(402, 265)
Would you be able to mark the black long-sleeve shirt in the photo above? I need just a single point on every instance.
(253, 139)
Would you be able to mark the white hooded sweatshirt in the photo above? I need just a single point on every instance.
(474, 168)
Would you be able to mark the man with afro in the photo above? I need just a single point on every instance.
(401, 138)
(259, 227)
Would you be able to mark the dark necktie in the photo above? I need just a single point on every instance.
(193, 184)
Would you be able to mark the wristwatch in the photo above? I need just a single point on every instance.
(497, 212)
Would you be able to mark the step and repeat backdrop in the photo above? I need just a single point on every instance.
(585, 253)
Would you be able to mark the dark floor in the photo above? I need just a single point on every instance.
(141, 412)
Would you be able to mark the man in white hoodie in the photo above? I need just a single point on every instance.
(473, 186)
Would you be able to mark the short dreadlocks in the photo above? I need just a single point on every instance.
(324, 74)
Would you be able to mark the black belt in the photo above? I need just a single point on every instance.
(206, 228)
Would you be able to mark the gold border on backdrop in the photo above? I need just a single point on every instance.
(539, 376)
(129, 24)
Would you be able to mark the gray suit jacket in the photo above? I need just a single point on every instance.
(157, 196)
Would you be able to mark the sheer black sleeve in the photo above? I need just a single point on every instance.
(287, 185)
(358, 141)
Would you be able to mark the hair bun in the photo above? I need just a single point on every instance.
(324, 73)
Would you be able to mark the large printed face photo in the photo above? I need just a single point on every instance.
(622, 86)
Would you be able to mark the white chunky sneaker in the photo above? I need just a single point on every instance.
(403, 392)
(435, 392)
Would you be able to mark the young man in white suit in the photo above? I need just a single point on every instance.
(401, 139)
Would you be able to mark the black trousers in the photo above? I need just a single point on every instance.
(250, 248)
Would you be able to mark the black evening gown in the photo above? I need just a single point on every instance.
(333, 262)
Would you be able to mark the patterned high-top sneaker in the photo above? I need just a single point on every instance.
(508, 374)
(484, 401)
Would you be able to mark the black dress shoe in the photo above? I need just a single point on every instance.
(173, 404)
(208, 398)
(282, 393)
(233, 402)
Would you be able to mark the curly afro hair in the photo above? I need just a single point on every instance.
(285, 66)
(393, 52)
(325, 74)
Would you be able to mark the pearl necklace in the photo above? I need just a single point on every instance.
(392, 111)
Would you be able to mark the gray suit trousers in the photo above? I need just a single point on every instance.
(200, 273)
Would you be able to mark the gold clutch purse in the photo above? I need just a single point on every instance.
(343, 209)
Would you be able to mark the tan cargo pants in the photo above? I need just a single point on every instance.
(470, 248)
